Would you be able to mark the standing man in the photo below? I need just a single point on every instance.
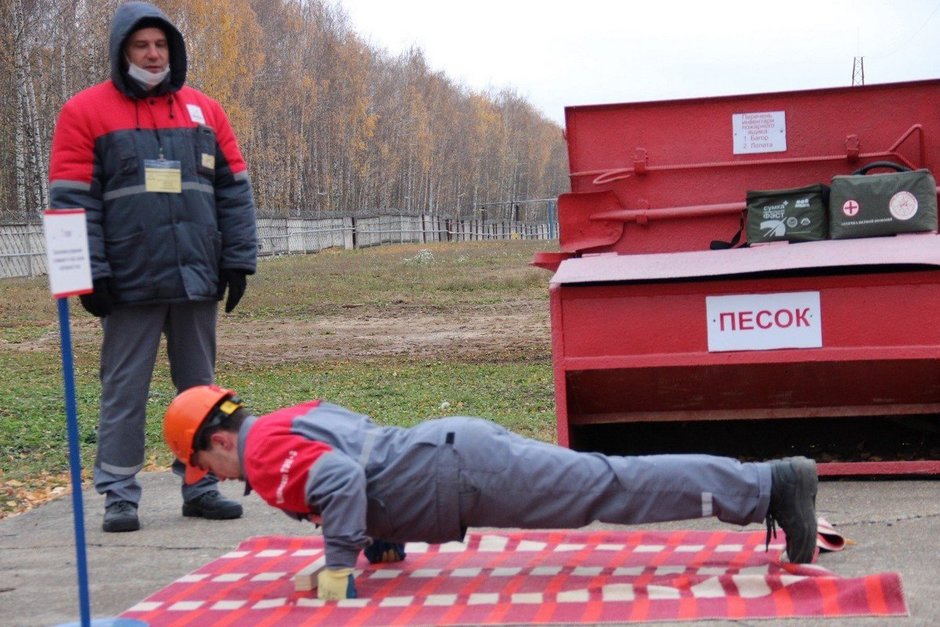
(171, 227)
(373, 488)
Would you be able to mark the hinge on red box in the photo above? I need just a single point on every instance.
(852, 148)
(640, 161)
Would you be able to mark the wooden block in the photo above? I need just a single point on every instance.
(306, 578)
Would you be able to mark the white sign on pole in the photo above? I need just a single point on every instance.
(68, 261)
(759, 132)
(755, 322)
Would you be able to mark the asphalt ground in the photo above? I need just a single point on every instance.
(895, 526)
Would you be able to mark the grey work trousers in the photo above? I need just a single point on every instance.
(535, 484)
(128, 355)
(478, 474)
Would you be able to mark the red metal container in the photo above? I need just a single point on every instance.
(830, 348)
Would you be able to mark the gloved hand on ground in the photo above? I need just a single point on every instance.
(382, 551)
(336, 584)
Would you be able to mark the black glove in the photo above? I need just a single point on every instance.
(98, 303)
(236, 281)
(381, 551)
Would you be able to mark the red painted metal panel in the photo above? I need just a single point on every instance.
(664, 176)
(640, 349)
(652, 185)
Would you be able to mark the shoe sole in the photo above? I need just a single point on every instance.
(806, 486)
(121, 527)
(195, 512)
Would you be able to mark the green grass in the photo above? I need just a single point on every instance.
(466, 279)
(458, 275)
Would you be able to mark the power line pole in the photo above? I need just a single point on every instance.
(858, 71)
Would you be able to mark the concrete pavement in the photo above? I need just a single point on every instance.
(895, 524)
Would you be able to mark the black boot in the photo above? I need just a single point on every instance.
(793, 506)
(213, 506)
(120, 516)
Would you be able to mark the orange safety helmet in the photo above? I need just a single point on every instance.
(186, 415)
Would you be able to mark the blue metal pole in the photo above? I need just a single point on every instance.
(75, 461)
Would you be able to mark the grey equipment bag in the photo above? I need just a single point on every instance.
(870, 205)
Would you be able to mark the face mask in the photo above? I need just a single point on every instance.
(147, 80)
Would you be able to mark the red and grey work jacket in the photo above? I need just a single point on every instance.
(360, 480)
(167, 196)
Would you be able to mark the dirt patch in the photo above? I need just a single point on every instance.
(520, 331)
(517, 331)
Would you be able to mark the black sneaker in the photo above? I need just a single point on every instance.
(120, 516)
(213, 506)
(793, 506)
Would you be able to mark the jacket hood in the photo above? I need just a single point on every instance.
(130, 17)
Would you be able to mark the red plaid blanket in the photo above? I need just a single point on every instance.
(535, 577)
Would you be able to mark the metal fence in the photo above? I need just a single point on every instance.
(23, 247)
(22, 250)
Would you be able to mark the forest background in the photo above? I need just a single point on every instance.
(327, 123)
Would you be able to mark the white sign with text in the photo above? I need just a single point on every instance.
(67, 257)
(756, 322)
(759, 132)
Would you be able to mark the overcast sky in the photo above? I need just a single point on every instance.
(557, 54)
